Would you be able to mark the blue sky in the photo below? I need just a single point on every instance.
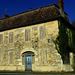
(17, 6)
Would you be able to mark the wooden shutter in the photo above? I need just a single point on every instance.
(11, 37)
(1, 38)
(27, 35)
(42, 32)
(11, 57)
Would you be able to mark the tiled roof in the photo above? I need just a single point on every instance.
(29, 17)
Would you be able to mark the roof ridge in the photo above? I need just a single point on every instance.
(31, 10)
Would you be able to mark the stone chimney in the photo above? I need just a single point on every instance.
(5, 16)
(61, 4)
(30, 9)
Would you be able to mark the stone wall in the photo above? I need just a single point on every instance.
(46, 54)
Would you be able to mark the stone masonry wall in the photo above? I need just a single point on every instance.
(47, 55)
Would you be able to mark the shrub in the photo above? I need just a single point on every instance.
(73, 66)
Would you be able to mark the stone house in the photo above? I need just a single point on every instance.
(26, 40)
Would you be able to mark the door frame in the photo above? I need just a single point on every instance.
(26, 63)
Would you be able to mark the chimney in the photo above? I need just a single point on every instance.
(61, 4)
(5, 16)
(30, 9)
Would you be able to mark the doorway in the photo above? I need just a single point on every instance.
(27, 60)
(28, 63)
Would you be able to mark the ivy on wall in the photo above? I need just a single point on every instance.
(62, 42)
(72, 40)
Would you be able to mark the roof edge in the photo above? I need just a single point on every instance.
(32, 23)
(33, 10)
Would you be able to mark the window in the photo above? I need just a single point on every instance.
(42, 32)
(1, 38)
(10, 37)
(11, 57)
(27, 35)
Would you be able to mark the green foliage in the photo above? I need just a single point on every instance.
(72, 42)
(73, 66)
(72, 37)
(61, 42)
(65, 42)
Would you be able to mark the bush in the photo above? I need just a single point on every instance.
(73, 66)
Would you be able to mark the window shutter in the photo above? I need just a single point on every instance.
(27, 35)
(11, 57)
(1, 38)
(42, 32)
(11, 37)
